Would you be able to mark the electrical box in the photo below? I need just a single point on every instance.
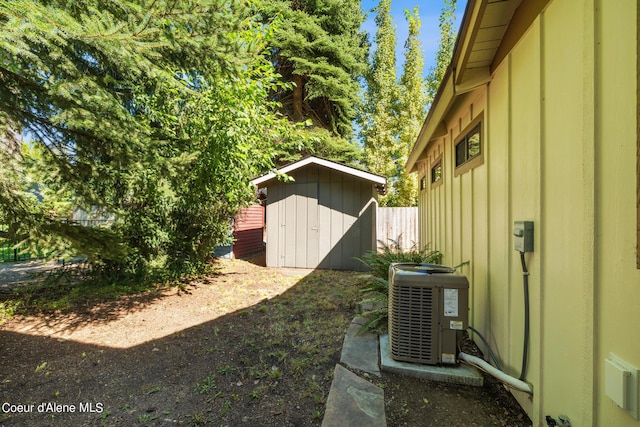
(523, 236)
(621, 384)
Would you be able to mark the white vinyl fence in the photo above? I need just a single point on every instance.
(398, 226)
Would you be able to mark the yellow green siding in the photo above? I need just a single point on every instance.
(617, 300)
(560, 139)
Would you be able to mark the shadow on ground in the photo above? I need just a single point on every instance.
(264, 361)
(250, 346)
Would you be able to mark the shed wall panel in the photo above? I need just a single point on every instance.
(326, 219)
(336, 230)
(299, 238)
(273, 222)
(288, 236)
(313, 226)
(349, 226)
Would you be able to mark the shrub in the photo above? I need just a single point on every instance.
(375, 305)
(379, 261)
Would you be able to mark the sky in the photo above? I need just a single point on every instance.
(429, 32)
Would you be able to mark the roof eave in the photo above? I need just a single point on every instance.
(445, 94)
(378, 180)
(474, 56)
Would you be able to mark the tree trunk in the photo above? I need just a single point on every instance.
(298, 96)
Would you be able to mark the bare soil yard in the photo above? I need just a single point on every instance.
(248, 345)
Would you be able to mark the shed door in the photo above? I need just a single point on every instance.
(299, 233)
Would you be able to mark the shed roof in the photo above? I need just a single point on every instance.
(379, 181)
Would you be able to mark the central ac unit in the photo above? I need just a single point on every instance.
(428, 307)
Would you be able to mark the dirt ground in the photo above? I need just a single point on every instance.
(248, 345)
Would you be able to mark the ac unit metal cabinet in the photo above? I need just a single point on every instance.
(428, 306)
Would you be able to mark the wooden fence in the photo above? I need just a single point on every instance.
(398, 225)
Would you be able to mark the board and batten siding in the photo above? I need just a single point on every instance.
(559, 128)
(324, 219)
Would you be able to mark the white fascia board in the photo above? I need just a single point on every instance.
(326, 163)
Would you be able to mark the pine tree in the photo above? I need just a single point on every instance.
(379, 117)
(320, 49)
(154, 111)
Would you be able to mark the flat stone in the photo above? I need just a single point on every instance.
(359, 320)
(365, 306)
(353, 402)
(360, 351)
(453, 374)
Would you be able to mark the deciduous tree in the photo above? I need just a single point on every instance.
(378, 120)
(394, 111)
(412, 108)
(445, 49)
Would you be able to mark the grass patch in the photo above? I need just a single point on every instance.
(62, 296)
(286, 345)
(8, 309)
(74, 285)
(207, 384)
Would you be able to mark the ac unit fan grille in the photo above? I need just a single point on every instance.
(412, 331)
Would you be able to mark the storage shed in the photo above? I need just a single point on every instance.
(323, 218)
(248, 230)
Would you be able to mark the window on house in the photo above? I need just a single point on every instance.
(468, 147)
(436, 172)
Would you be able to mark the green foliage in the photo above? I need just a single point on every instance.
(445, 49)
(7, 309)
(379, 261)
(153, 111)
(302, 142)
(73, 285)
(35, 213)
(376, 302)
(375, 305)
(229, 134)
(412, 103)
(394, 109)
(207, 384)
(378, 116)
(320, 49)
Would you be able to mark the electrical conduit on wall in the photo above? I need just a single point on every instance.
(495, 372)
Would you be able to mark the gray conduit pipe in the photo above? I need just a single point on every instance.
(496, 373)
